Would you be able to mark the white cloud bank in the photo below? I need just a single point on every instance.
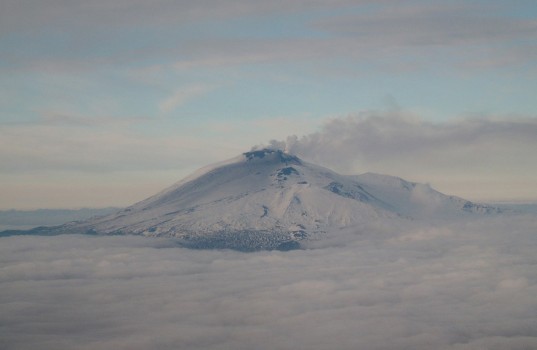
(466, 285)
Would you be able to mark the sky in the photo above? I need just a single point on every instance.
(103, 103)
(463, 285)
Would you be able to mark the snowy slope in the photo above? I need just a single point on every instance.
(268, 199)
(418, 201)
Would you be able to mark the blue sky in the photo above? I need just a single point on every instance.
(106, 102)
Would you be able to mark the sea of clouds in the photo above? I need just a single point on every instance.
(470, 284)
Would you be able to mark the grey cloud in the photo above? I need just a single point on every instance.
(153, 31)
(429, 26)
(461, 285)
(24, 14)
(424, 32)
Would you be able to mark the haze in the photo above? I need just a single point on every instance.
(103, 103)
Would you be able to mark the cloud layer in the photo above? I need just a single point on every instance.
(354, 29)
(467, 285)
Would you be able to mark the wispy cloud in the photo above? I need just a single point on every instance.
(433, 25)
(182, 96)
(162, 13)
(58, 118)
(477, 34)
(366, 29)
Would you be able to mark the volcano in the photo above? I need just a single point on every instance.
(269, 199)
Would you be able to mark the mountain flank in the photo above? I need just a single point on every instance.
(268, 199)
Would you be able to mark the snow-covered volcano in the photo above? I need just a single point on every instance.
(268, 199)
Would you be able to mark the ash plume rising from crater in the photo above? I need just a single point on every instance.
(484, 158)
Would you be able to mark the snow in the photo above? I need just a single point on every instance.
(269, 198)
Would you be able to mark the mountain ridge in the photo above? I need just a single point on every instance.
(269, 199)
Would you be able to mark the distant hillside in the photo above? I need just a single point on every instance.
(522, 208)
(27, 219)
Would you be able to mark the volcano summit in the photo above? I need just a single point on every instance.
(268, 199)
